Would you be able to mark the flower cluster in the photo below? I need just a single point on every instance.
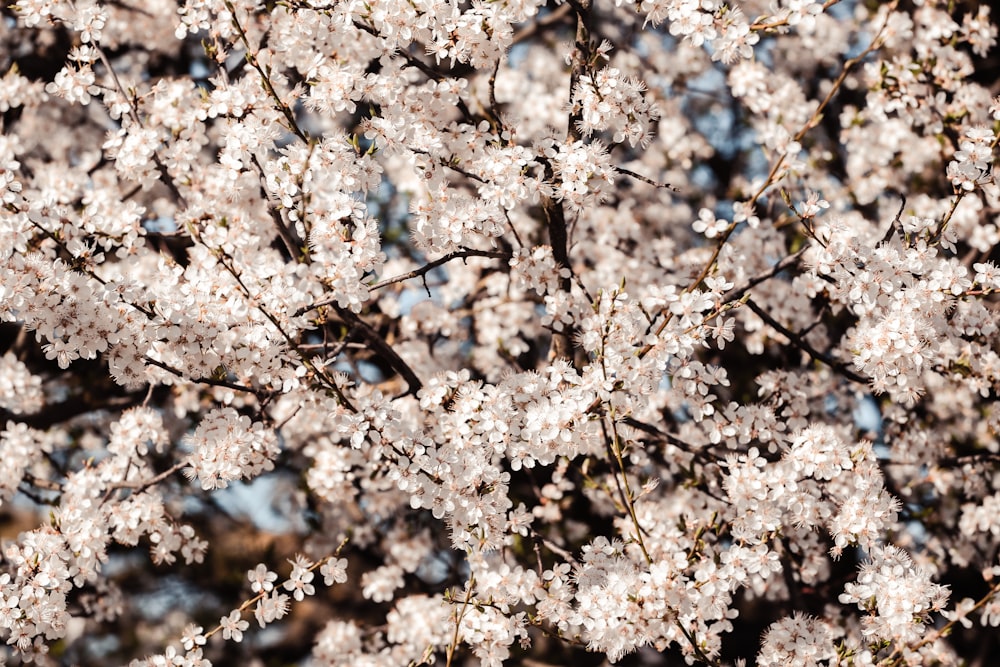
(609, 101)
(797, 640)
(681, 332)
(973, 163)
(20, 390)
(583, 171)
(227, 446)
(899, 595)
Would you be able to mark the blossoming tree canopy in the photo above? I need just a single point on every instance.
(385, 332)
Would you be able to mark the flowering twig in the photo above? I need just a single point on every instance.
(161, 168)
(765, 26)
(896, 658)
(624, 488)
(264, 593)
(265, 79)
(458, 616)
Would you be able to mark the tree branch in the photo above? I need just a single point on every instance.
(801, 343)
(378, 344)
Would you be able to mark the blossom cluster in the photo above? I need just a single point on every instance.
(528, 329)
(608, 101)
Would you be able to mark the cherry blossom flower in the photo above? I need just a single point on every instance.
(442, 290)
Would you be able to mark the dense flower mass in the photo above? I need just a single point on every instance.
(398, 332)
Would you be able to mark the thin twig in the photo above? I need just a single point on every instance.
(142, 485)
(645, 179)
(453, 645)
(737, 293)
(758, 26)
(430, 266)
(545, 22)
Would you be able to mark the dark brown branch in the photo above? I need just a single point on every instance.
(451, 165)
(555, 216)
(382, 348)
(799, 342)
(416, 273)
(209, 381)
(555, 219)
(59, 413)
(968, 459)
(251, 58)
(894, 226)
(289, 238)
